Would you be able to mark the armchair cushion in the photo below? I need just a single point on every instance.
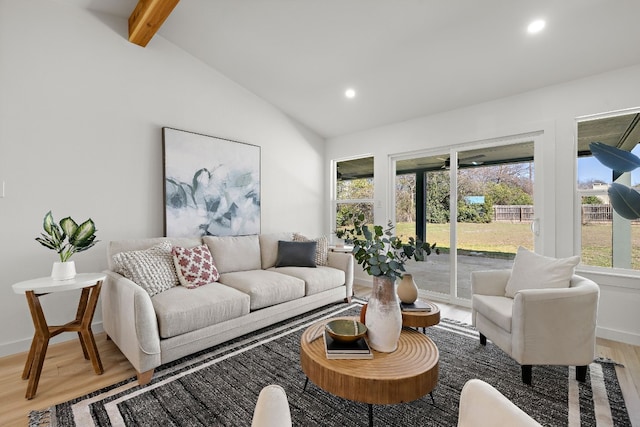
(497, 309)
(533, 271)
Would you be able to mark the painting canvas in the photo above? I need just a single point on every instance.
(211, 185)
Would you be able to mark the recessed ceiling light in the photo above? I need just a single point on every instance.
(536, 26)
(350, 93)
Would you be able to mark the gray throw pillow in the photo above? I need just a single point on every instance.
(296, 254)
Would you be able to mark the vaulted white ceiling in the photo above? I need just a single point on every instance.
(404, 58)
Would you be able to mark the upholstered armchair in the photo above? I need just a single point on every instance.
(552, 324)
(272, 408)
(481, 405)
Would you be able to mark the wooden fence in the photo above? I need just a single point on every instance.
(596, 213)
(590, 214)
(513, 213)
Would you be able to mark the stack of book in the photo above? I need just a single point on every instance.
(358, 349)
(415, 306)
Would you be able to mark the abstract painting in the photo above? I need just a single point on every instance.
(211, 185)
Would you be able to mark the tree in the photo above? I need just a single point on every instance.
(437, 202)
(406, 198)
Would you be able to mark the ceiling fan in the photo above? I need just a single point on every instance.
(467, 161)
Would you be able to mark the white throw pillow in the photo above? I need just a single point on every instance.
(533, 271)
(152, 269)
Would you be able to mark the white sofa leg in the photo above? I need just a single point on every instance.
(144, 378)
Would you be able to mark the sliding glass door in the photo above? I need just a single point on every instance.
(476, 204)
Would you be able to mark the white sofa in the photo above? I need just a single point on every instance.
(251, 293)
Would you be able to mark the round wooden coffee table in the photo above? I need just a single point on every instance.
(422, 319)
(407, 374)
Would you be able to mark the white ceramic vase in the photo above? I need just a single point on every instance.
(407, 289)
(383, 317)
(63, 270)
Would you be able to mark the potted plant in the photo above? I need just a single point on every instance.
(383, 256)
(66, 239)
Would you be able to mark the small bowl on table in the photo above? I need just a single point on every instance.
(345, 330)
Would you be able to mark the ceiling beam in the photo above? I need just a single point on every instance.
(146, 19)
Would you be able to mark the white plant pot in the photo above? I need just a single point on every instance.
(63, 270)
(383, 317)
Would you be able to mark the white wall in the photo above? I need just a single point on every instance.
(81, 112)
(552, 110)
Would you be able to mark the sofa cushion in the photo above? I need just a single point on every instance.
(533, 271)
(316, 279)
(322, 247)
(152, 269)
(265, 287)
(194, 266)
(498, 309)
(269, 247)
(296, 254)
(234, 253)
(117, 246)
(180, 310)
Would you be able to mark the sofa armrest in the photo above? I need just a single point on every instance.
(129, 319)
(272, 408)
(481, 405)
(571, 313)
(490, 282)
(343, 261)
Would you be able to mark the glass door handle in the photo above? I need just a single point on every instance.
(535, 226)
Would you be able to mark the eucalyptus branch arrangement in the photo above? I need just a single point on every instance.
(378, 251)
(625, 200)
(68, 237)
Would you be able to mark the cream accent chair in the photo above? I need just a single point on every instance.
(537, 326)
(272, 408)
(481, 405)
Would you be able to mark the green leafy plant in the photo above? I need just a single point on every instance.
(624, 200)
(68, 237)
(378, 251)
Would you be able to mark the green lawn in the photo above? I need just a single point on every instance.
(504, 238)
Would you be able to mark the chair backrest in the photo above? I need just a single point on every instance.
(481, 405)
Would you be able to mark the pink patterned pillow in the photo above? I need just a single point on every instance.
(194, 266)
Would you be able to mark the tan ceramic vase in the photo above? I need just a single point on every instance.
(407, 289)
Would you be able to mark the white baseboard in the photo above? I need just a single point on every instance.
(617, 335)
(22, 346)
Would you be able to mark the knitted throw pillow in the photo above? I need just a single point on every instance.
(194, 266)
(322, 247)
(152, 269)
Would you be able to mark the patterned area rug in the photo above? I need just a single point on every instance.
(219, 387)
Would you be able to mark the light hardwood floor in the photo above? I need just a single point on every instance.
(66, 374)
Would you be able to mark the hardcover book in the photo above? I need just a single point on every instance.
(415, 306)
(358, 349)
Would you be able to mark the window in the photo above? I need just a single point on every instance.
(354, 189)
(606, 239)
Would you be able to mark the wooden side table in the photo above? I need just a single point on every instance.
(422, 319)
(90, 283)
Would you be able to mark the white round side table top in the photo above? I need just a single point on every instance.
(46, 285)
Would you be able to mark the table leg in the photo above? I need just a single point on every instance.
(370, 415)
(305, 384)
(88, 302)
(82, 308)
(39, 345)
